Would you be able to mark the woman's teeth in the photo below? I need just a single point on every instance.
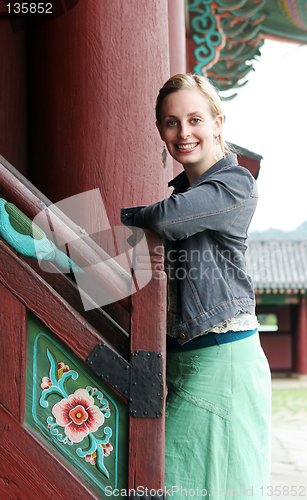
(187, 146)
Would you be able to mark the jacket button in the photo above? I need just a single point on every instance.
(182, 336)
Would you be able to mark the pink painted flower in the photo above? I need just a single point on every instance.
(78, 414)
(91, 458)
(107, 448)
(46, 383)
(62, 368)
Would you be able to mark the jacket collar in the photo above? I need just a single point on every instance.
(181, 182)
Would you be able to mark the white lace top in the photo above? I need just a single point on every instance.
(239, 323)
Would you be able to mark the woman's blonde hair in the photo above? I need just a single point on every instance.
(193, 81)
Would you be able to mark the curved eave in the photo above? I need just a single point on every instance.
(236, 35)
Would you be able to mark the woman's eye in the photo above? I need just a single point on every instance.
(195, 120)
(171, 123)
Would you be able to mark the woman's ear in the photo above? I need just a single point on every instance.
(218, 124)
(158, 125)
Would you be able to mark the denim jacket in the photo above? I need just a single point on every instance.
(204, 227)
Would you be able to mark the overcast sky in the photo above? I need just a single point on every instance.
(269, 117)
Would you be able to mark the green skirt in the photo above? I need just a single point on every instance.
(218, 417)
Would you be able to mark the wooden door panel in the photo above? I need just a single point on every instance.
(74, 413)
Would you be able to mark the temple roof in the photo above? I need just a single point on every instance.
(278, 266)
(224, 36)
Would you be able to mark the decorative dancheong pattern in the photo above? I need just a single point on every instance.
(75, 413)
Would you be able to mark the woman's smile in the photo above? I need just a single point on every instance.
(187, 148)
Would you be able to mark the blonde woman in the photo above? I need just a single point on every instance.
(218, 406)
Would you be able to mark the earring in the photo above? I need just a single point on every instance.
(218, 149)
(164, 156)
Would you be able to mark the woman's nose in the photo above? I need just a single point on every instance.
(184, 131)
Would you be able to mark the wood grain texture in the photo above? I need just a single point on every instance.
(30, 471)
(13, 93)
(148, 332)
(97, 317)
(95, 76)
(13, 328)
(32, 291)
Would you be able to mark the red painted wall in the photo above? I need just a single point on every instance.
(95, 73)
(278, 350)
(13, 99)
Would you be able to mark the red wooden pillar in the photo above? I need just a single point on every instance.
(95, 75)
(148, 330)
(13, 97)
(177, 47)
(302, 339)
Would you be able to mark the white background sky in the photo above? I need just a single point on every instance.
(269, 117)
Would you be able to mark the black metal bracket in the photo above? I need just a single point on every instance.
(141, 381)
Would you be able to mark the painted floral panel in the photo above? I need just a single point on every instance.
(75, 412)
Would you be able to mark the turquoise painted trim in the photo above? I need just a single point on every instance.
(248, 11)
(50, 434)
(41, 249)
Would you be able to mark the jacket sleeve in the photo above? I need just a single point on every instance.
(214, 204)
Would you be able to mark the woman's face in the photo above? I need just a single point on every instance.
(189, 130)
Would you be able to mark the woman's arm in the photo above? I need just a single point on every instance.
(214, 204)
